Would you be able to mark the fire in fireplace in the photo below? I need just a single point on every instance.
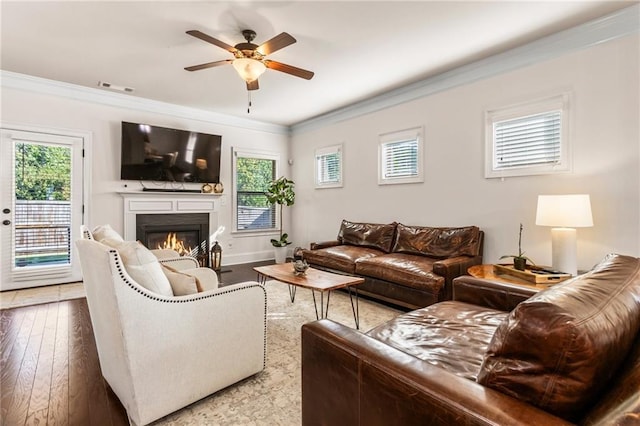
(187, 233)
(173, 241)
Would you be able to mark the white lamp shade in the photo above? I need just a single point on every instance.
(564, 211)
(249, 69)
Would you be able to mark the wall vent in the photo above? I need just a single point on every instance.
(115, 87)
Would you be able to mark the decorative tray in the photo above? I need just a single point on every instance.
(533, 274)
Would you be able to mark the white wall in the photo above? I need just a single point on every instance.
(605, 137)
(105, 205)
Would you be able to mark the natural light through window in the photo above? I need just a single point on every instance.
(528, 139)
(328, 167)
(253, 172)
(400, 157)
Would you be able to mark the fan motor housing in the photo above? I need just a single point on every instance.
(246, 46)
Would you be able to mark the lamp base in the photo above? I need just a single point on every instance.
(563, 250)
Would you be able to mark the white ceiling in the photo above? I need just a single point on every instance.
(357, 49)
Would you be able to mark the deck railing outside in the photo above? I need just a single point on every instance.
(42, 233)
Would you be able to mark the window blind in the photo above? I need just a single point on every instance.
(400, 159)
(254, 211)
(528, 141)
(329, 166)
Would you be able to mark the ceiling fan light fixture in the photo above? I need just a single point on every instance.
(249, 69)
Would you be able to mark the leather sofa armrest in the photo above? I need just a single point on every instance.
(324, 244)
(351, 378)
(453, 267)
(491, 294)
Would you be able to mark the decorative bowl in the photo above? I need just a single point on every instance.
(300, 267)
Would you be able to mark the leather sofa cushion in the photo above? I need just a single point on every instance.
(437, 242)
(404, 269)
(341, 258)
(450, 335)
(621, 404)
(558, 349)
(374, 235)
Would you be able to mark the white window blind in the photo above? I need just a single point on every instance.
(329, 167)
(400, 157)
(528, 139)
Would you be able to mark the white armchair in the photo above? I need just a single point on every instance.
(161, 353)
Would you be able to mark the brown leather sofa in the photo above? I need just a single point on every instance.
(410, 266)
(568, 354)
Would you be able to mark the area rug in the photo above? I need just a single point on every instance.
(38, 295)
(273, 397)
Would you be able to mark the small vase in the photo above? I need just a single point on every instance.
(520, 263)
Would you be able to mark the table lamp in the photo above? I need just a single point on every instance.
(564, 213)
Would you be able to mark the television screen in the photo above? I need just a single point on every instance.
(162, 154)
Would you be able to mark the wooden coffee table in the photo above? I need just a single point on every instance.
(314, 280)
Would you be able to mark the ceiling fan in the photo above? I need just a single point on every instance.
(250, 59)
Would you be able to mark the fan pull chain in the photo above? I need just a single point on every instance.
(249, 100)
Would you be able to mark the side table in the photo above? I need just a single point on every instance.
(487, 272)
(483, 287)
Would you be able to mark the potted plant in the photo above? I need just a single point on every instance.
(280, 191)
(519, 260)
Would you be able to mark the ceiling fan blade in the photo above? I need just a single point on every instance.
(289, 69)
(276, 43)
(208, 65)
(253, 85)
(204, 37)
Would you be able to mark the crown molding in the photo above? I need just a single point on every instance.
(609, 27)
(87, 94)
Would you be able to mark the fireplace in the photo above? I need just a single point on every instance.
(189, 216)
(187, 233)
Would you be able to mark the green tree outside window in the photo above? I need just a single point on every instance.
(42, 172)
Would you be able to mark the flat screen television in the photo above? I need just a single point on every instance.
(155, 153)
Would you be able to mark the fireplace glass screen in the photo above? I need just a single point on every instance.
(188, 234)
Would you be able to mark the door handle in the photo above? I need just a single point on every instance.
(6, 211)
(6, 222)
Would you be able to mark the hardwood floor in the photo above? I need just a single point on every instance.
(239, 273)
(50, 370)
(50, 373)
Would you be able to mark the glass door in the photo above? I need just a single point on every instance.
(41, 177)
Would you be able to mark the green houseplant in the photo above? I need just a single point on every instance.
(280, 192)
(519, 260)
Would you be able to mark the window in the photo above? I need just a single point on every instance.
(253, 171)
(329, 167)
(400, 157)
(527, 139)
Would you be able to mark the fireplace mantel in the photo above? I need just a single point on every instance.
(139, 202)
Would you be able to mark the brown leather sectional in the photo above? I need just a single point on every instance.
(410, 266)
(568, 354)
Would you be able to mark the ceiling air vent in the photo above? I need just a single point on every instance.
(114, 87)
